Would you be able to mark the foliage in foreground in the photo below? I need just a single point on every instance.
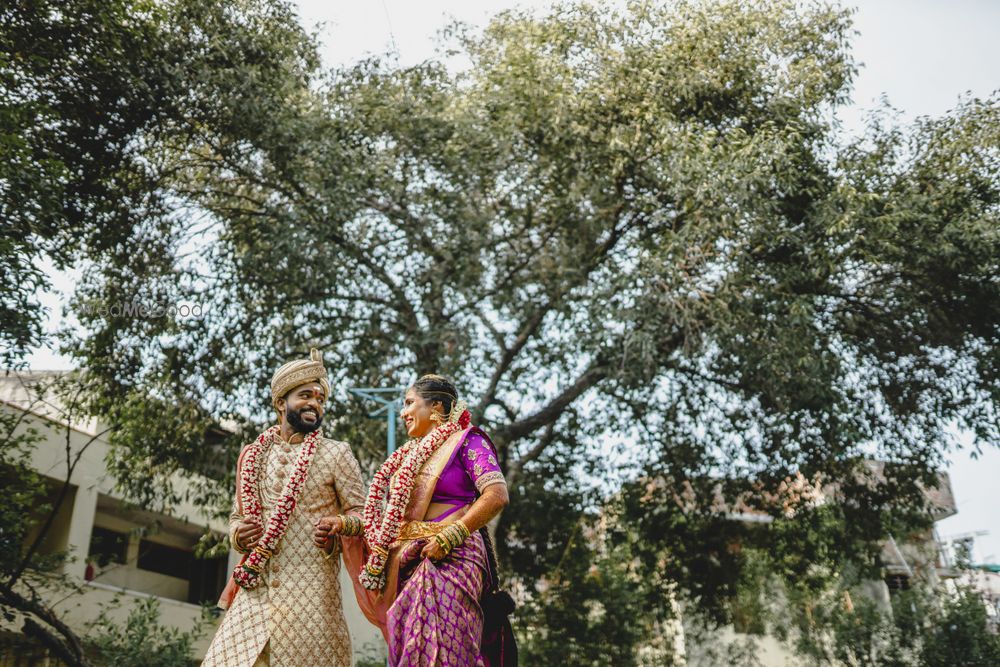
(847, 621)
(921, 629)
(142, 641)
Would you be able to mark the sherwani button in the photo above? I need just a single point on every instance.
(274, 584)
(275, 568)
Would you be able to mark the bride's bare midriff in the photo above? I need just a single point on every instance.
(434, 510)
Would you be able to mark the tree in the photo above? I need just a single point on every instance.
(86, 89)
(624, 228)
(83, 84)
(614, 224)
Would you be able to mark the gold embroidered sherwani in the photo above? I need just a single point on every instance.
(297, 609)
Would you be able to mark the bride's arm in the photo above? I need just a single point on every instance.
(480, 462)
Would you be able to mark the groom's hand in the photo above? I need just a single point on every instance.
(325, 529)
(248, 534)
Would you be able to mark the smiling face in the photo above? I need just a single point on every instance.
(416, 414)
(302, 407)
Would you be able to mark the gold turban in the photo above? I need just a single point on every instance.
(297, 372)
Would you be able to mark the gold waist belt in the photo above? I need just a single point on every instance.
(421, 530)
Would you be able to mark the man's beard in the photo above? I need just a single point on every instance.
(296, 422)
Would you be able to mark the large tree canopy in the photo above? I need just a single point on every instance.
(632, 229)
(635, 224)
(79, 82)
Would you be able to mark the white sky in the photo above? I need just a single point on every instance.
(921, 54)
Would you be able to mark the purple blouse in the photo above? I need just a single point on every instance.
(473, 467)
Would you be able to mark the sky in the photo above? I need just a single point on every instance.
(922, 55)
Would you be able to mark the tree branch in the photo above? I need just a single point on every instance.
(515, 468)
(413, 226)
(594, 373)
(528, 329)
(71, 650)
(535, 319)
(71, 464)
(296, 193)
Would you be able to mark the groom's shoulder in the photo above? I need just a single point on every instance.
(335, 448)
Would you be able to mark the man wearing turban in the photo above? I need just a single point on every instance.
(284, 600)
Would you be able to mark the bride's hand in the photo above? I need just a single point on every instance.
(433, 551)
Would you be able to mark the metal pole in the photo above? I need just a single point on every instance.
(389, 400)
(391, 405)
(391, 439)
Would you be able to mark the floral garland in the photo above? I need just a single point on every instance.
(247, 575)
(382, 528)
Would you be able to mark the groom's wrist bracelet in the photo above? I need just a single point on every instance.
(234, 540)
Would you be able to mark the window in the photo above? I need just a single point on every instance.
(897, 582)
(208, 578)
(160, 558)
(107, 546)
(205, 577)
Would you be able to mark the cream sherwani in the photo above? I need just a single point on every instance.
(297, 610)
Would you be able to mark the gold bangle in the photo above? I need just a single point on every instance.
(352, 525)
(444, 543)
(465, 529)
(451, 536)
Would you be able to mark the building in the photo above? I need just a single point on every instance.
(917, 559)
(120, 555)
(985, 579)
(911, 560)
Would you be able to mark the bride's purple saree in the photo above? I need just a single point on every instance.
(429, 612)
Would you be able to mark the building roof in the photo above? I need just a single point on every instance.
(37, 392)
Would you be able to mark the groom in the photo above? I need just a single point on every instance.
(287, 608)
